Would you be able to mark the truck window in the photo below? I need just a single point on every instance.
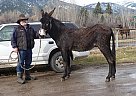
(37, 27)
(6, 32)
(70, 25)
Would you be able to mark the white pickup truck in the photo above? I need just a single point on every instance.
(44, 52)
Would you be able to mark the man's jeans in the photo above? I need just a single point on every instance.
(25, 59)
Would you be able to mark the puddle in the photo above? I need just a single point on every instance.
(133, 76)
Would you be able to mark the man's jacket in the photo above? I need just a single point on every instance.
(23, 38)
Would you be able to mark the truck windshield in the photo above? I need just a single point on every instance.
(0, 26)
(71, 25)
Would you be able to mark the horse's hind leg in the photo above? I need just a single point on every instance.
(69, 64)
(109, 57)
(113, 70)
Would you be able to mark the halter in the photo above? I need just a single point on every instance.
(45, 31)
(50, 24)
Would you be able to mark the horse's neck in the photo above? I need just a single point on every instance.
(56, 30)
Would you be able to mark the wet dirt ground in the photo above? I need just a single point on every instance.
(85, 81)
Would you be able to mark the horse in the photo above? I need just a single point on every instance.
(124, 30)
(81, 39)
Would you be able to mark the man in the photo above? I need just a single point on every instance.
(22, 41)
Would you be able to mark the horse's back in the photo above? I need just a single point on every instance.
(101, 28)
(87, 38)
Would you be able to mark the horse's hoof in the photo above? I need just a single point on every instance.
(62, 79)
(113, 78)
(68, 76)
(107, 80)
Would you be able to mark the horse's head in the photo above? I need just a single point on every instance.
(46, 20)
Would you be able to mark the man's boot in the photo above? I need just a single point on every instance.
(20, 78)
(28, 77)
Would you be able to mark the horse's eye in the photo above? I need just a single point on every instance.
(46, 24)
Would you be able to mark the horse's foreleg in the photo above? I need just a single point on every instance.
(66, 60)
(65, 71)
(126, 35)
(68, 70)
(122, 36)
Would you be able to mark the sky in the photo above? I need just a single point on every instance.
(86, 2)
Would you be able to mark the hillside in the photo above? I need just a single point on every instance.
(115, 7)
(26, 6)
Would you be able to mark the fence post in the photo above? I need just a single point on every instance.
(116, 32)
(116, 37)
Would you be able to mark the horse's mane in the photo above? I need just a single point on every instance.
(57, 22)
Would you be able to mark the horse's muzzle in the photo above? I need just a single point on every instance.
(42, 32)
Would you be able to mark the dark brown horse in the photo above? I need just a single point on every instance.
(80, 40)
(124, 30)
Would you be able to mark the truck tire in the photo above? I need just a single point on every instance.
(56, 62)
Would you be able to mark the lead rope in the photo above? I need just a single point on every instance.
(18, 56)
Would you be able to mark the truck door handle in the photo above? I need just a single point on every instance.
(51, 42)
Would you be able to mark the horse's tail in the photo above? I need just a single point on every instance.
(71, 55)
(113, 45)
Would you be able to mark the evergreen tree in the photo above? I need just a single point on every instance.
(102, 19)
(83, 17)
(108, 9)
(98, 9)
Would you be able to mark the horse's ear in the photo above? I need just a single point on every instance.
(51, 12)
(42, 12)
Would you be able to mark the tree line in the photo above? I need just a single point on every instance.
(107, 16)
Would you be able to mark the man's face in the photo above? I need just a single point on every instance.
(23, 22)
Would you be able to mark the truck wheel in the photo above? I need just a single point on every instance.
(56, 62)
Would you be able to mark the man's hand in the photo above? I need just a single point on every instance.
(15, 50)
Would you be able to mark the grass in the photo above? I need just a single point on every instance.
(127, 40)
(126, 55)
(123, 55)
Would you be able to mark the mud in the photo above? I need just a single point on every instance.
(86, 81)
